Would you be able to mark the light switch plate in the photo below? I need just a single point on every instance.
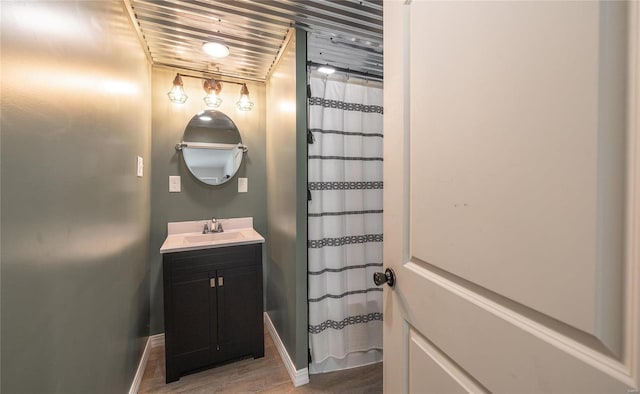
(243, 185)
(140, 167)
(174, 184)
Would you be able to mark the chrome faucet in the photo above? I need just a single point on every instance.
(216, 226)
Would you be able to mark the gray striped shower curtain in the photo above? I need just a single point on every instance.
(345, 223)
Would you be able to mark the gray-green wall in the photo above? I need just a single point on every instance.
(287, 200)
(197, 200)
(76, 111)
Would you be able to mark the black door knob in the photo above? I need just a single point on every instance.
(388, 277)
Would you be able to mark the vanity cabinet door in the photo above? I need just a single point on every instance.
(240, 330)
(191, 330)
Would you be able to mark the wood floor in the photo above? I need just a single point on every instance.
(263, 375)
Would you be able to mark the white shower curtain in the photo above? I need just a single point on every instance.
(345, 223)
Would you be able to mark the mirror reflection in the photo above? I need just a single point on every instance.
(211, 147)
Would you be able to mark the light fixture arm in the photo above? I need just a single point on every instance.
(210, 85)
(219, 81)
(177, 81)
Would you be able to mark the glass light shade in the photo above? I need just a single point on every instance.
(177, 94)
(213, 88)
(212, 100)
(244, 104)
(215, 49)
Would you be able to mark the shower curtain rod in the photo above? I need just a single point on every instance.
(347, 70)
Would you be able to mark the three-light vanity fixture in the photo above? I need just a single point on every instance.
(212, 88)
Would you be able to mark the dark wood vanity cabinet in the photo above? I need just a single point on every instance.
(212, 307)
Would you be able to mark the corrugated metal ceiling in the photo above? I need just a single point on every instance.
(343, 33)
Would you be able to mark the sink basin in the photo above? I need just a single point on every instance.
(213, 237)
(186, 236)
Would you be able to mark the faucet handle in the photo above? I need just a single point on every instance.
(206, 229)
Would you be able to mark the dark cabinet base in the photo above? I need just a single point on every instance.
(181, 368)
(213, 308)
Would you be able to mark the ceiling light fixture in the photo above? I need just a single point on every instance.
(213, 88)
(326, 70)
(215, 49)
(244, 104)
(177, 94)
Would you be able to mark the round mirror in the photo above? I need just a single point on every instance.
(211, 147)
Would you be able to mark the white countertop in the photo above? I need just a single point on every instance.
(185, 236)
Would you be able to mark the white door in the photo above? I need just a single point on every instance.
(512, 196)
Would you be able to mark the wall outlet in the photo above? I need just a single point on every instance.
(174, 184)
(243, 185)
(140, 167)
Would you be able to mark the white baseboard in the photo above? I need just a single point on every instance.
(157, 340)
(152, 342)
(299, 377)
